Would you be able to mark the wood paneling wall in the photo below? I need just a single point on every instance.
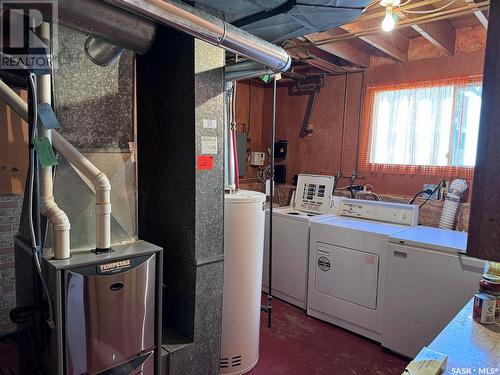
(13, 150)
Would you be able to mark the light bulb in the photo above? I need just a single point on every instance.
(388, 23)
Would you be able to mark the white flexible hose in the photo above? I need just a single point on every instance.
(455, 191)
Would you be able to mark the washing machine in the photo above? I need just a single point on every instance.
(347, 263)
(429, 280)
(312, 201)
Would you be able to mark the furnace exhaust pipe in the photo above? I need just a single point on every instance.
(80, 162)
(210, 29)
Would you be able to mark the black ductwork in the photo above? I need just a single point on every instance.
(279, 20)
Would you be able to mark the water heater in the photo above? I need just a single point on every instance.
(243, 254)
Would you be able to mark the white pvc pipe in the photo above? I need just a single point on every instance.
(455, 191)
(48, 207)
(100, 182)
(80, 162)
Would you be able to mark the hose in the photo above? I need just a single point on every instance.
(455, 191)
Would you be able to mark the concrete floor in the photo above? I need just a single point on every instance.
(295, 345)
(300, 345)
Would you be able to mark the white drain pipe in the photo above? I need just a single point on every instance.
(48, 207)
(101, 184)
(455, 191)
(80, 162)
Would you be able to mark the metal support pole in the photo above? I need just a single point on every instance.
(273, 136)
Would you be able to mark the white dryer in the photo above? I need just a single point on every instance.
(347, 263)
(428, 282)
(291, 238)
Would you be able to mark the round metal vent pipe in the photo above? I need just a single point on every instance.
(106, 23)
(246, 70)
(211, 29)
(100, 52)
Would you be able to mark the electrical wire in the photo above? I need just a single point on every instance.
(34, 243)
(433, 192)
(428, 11)
(405, 3)
(412, 200)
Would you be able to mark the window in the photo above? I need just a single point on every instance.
(426, 128)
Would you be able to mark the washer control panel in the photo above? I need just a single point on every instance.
(396, 213)
(314, 193)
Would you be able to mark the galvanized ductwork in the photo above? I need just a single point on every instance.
(246, 70)
(107, 23)
(210, 29)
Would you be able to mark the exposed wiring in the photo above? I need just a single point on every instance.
(34, 243)
(428, 11)
(428, 191)
(433, 192)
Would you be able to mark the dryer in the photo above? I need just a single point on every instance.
(347, 263)
(312, 201)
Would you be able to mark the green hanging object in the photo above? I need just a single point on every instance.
(267, 78)
(44, 152)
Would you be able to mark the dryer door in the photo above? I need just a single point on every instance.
(350, 275)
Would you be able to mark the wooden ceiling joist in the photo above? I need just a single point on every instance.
(441, 34)
(347, 51)
(392, 48)
(478, 13)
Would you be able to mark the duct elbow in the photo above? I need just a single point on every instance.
(60, 224)
(56, 216)
(101, 183)
(455, 191)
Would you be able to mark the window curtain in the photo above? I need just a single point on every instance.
(427, 128)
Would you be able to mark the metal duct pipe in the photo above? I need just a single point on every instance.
(246, 70)
(107, 23)
(100, 52)
(211, 29)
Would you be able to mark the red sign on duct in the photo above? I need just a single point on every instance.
(205, 162)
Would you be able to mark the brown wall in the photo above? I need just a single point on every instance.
(13, 151)
(249, 105)
(333, 144)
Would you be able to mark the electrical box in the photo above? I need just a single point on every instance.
(280, 149)
(257, 158)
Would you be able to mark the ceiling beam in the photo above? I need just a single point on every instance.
(439, 33)
(394, 48)
(347, 51)
(478, 13)
(315, 57)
